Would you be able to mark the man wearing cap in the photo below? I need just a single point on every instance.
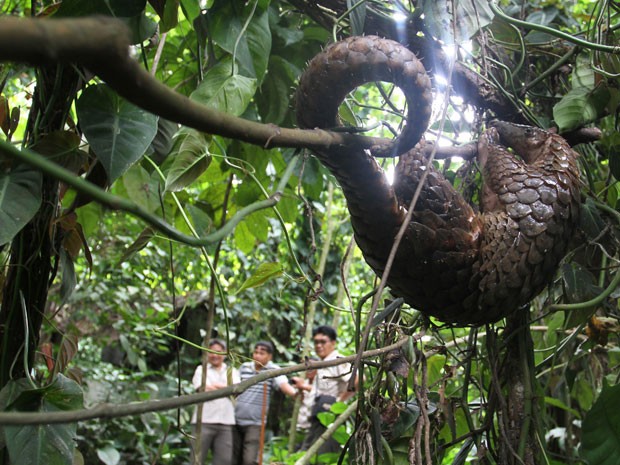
(253, 404)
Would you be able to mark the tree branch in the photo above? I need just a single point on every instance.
(101, 45)
(136, 408)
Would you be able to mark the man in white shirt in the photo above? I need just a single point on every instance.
(218, 416)
(330, 385)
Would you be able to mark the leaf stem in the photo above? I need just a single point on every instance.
(118, 203)
(554, 32)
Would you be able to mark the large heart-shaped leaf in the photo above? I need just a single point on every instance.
(143, 187)
(250, 43)
(118, 131)
(63, 148)
(600, 440)
(225, 90)
(469, 18)
(580, 106)
(20, 199)
(51, 444)
(273, 98)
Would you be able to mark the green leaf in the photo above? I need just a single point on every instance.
(170, 15)
(244, 239)
(579, 286)
(357, 16)
(287, 36)
(142, 28)
(225, 90)
(544, 17)
(273, 98)
(63, 148)
(338, 407)
(470, 17)
(51, 444)
(162, 143)
(20, 199)
(464, 452)
(312, 179)
(191, 9)
(262, 274)
(258, 224)
(600, 440)
(579, 283)
(109, 455)
(326, 418)
(248, 193)
(558, 403)
(341, 435)
(191, 158)
(583, 74)
(69, 280)
(203, 223)
(130, 12)
(288, 208)
(583, 392)
(408, 415)
(435, 368)
(590, 220)
(611, 146)
(117, 131)
(250, 45)
(141, 242)
(118, 8)
(89, 216)
(579, 107)
(143, 187)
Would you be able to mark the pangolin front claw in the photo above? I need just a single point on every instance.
(454, 264)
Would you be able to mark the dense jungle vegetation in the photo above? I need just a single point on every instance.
(134, 226)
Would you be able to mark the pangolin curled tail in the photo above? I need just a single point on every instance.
(455, 264)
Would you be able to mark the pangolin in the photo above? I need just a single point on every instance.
(455, 264)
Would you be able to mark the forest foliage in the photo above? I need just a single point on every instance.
(127, 238)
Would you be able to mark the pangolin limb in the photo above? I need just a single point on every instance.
(453, 263)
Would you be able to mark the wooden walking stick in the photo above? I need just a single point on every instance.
(263, 424)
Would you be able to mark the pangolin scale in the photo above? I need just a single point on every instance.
(458, 265)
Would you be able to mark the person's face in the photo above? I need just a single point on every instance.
(261, 356)
(215, 360)
(323, 345)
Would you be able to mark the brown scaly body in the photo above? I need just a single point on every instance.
(453, 263)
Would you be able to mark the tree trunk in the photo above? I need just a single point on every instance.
(34, 250)
(520, 445)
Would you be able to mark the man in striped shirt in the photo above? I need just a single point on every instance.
(253, 404)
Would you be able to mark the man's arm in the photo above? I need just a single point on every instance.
(301, 384)
(346, 394)
(287, 389)
(197, 378)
